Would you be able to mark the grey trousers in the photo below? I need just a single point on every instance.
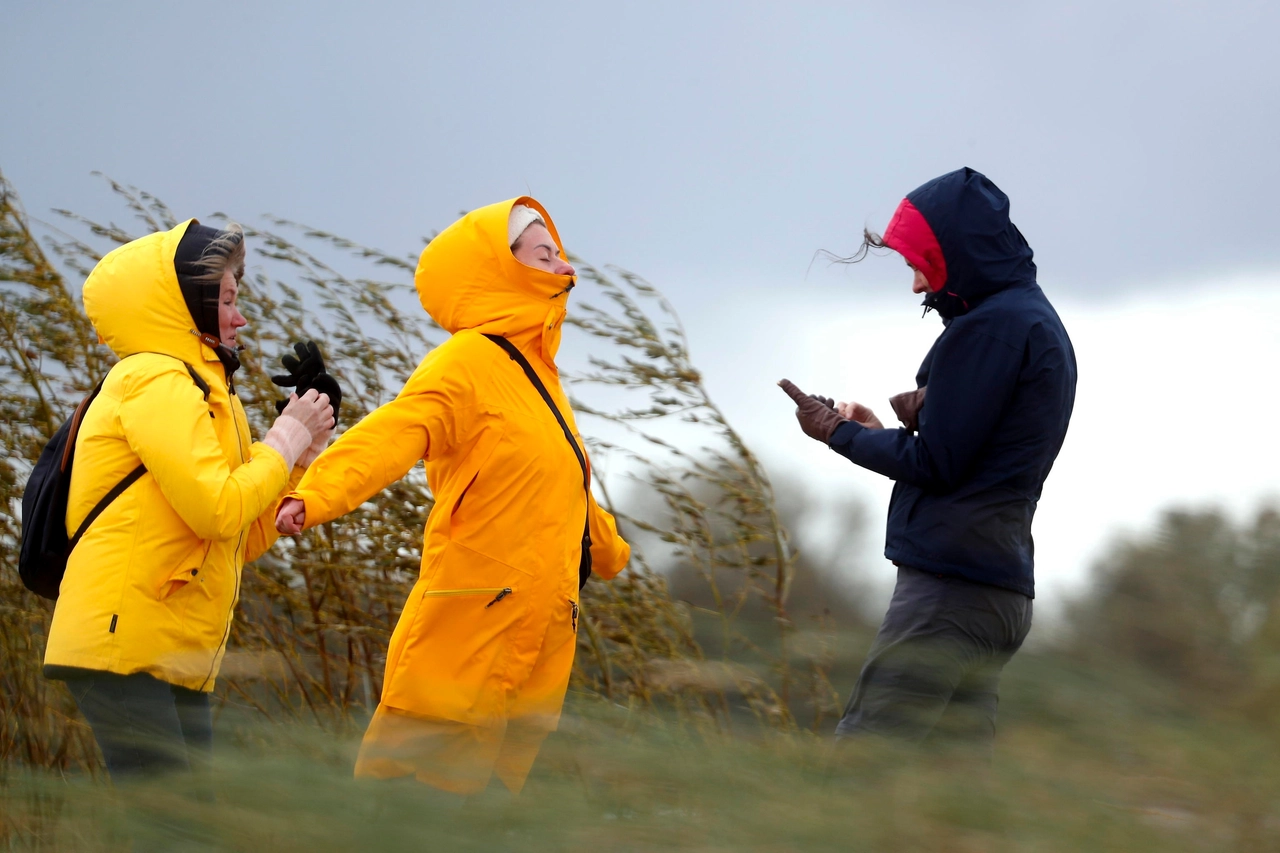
(144, 726)
(934, 668)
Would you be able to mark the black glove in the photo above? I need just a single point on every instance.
(306, 372)
(817, 415)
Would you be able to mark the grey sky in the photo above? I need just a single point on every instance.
(709, 145)
(712, 147)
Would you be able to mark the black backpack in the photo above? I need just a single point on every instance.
(45, 545)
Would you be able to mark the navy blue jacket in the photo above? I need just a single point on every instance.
(1001, 385)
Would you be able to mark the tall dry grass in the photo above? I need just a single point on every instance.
(317, 611)
(1154, 727)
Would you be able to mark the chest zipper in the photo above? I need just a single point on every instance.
(498, 593)
(231, 611)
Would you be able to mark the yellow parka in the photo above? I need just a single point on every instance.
(480, 659)
(154, 582)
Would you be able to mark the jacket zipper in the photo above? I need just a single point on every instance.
(231, 611)
(574, 615)
(498, 593)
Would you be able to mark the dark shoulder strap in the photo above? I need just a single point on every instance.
(519, 358)
(105, 502)
(73, 430)
(584, 566)
(200, 383)
(129, 479)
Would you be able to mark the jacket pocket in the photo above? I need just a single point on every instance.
(187, 572)
(455, 641)
(457, 505)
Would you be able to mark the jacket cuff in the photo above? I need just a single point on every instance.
(620, 559)
(309, 503)
(844, 435)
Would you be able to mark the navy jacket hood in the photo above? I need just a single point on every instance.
(984, 251)
(1000, 380)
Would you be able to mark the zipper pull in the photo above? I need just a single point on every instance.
(501, 595)
(575, 616)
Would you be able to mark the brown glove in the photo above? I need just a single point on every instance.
(817, 415)
(907, 406)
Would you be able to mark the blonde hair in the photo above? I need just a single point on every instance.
(227, 252)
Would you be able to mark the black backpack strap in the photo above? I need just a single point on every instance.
(584, 569)
(200, 383)
(519, 358)
(116, 491)
(130, 478)
(68, 451)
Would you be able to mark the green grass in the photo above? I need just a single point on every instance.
(1083, 762)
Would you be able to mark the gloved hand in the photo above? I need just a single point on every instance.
(306, 371)
(907, 406)
(817, 415)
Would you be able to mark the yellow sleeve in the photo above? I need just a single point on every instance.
(421, 423)
(609, 551)
(263, 533)
(214, 501)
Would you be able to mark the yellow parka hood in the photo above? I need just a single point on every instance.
(133, 299)
(467, 278)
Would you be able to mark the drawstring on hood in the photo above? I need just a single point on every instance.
(467, 278)
(956, 230)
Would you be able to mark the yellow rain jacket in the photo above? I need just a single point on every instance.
(480, 660)
(154, 582)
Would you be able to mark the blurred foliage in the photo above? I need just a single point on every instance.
(1086, 762)
(1197, 603)
(317, 612)
(1153, 725)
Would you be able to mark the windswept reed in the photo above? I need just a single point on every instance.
(316, 612)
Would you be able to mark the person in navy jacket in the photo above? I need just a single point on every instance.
(980, 433)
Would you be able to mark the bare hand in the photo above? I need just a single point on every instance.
(312, 409)
(859, 414)
(291, 517)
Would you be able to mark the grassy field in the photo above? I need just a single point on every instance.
(1085, 761)
(1154, 728)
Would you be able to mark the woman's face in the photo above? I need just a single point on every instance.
(535, 248)
(230, 320)
(919, 284)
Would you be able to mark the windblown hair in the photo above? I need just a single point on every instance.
(227, 252)
(870, 240)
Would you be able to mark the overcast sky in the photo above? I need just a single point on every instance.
(1136, 139)
(713, 147)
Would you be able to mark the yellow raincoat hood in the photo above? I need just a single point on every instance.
(467, 278)
(133, 299)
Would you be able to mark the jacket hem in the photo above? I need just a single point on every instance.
(63, 671)
(968, 573)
